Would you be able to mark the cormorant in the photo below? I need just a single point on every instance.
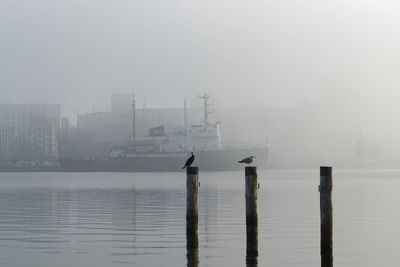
(189, 161)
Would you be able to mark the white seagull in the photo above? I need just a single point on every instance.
(248, 160)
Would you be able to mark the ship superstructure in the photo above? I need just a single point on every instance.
(205, 136)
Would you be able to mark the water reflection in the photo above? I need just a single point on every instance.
(326, 245)
(128, 220)
(192, 244)
(252, 246)
(325, 262)
(326, 258)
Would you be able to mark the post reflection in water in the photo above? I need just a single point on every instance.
(326, 261)
(192, 244)
(326, 258)
(251, 245)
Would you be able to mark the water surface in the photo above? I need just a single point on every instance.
(138, 219)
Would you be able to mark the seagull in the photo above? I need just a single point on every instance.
(248, 160)
(189, 161)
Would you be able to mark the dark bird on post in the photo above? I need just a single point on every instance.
(248, 160)
(189, 161)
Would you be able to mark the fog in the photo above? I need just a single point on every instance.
(335, 61)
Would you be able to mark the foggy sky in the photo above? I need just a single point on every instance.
(78, 52)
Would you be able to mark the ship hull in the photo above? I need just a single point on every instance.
(223, 160)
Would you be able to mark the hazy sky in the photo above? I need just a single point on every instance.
(77, 52)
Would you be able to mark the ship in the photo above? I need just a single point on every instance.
(160, 152)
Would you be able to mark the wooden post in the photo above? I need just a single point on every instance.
(192, 187)
(325, 189)
(192, 213)
(251, 195)
(251, 187)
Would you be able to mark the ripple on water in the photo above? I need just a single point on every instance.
(103, 219)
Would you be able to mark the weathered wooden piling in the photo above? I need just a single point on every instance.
(251, 187)
(325, 189)
(251, 195)
(192, 213)
(192, 198)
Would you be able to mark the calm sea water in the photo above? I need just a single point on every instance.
(138, 219)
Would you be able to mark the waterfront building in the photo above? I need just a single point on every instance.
(29, 131)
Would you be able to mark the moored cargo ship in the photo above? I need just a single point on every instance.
(162, 152)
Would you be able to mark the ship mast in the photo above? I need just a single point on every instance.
(185, 115)
(207, 108)
(133, 119)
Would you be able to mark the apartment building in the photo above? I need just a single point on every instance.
(29, 131)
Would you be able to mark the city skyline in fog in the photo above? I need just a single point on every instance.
(76, 53)
(336, 60)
